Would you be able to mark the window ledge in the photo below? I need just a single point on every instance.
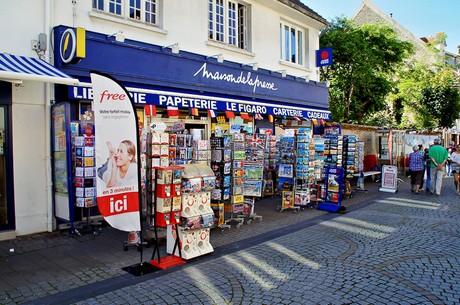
(126, 21)
(295, 66)
(227, 47)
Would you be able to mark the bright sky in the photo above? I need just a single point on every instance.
(421, 17)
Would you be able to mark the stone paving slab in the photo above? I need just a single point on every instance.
(364, 257)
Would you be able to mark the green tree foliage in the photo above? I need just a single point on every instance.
(430, 95)
(365, 60)
(441, 98)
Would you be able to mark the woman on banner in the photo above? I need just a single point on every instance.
(121, 165)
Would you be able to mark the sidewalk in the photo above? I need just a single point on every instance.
(47, 264)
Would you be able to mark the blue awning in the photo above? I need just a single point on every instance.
(15, 68)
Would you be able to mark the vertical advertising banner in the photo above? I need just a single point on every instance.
(116, 154)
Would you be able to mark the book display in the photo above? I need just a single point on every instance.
(165, 208)
(317, 147)
(333, 188)
(350, 162)
(254, 165)
(235, 206)
(285, 185)
(270, 165)
(84, 175)
(160, 149)
(253, 173)
(360, 156)
(333, 145)
(316, 167)
(221, 158)
(85, 170)
(360, 166)
(196, 215)
(304, 176)
(177, 198)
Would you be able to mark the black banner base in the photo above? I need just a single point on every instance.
(140, 269)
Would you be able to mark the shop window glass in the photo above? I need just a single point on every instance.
(228, 22)
(292, 47)
(140, 10)
(98, 4)
(135, 9)
(115, 7)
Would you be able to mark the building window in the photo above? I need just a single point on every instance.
(141, 10)
(115, 7)
(228, 22)
(292, 44)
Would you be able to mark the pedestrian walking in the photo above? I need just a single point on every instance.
(450, 150)
(439, 156)
(455, 164)
(416, 169)
(427, 159)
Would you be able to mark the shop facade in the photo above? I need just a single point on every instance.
(188, 88)
(155, 68)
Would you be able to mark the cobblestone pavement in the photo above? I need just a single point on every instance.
(388, 248)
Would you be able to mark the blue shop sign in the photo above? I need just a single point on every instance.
(184, 100)
(146, 65)
(324, 57)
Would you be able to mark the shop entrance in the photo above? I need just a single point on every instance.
(6, 210)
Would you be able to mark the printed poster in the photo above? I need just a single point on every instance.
(116, 154)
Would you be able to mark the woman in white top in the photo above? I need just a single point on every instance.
(121, 166)
(455, 166)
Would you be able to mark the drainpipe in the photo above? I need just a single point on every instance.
(49, 178)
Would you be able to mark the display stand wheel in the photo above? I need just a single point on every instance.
(238, 225)
(248, 221)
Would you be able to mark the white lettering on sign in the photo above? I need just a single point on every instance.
(230, 106)
(318, 115)
(138, 98)
(242, 78)
(252, 108)
(86, 93)
(287, 112)
(185, 102)
(119, 205)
